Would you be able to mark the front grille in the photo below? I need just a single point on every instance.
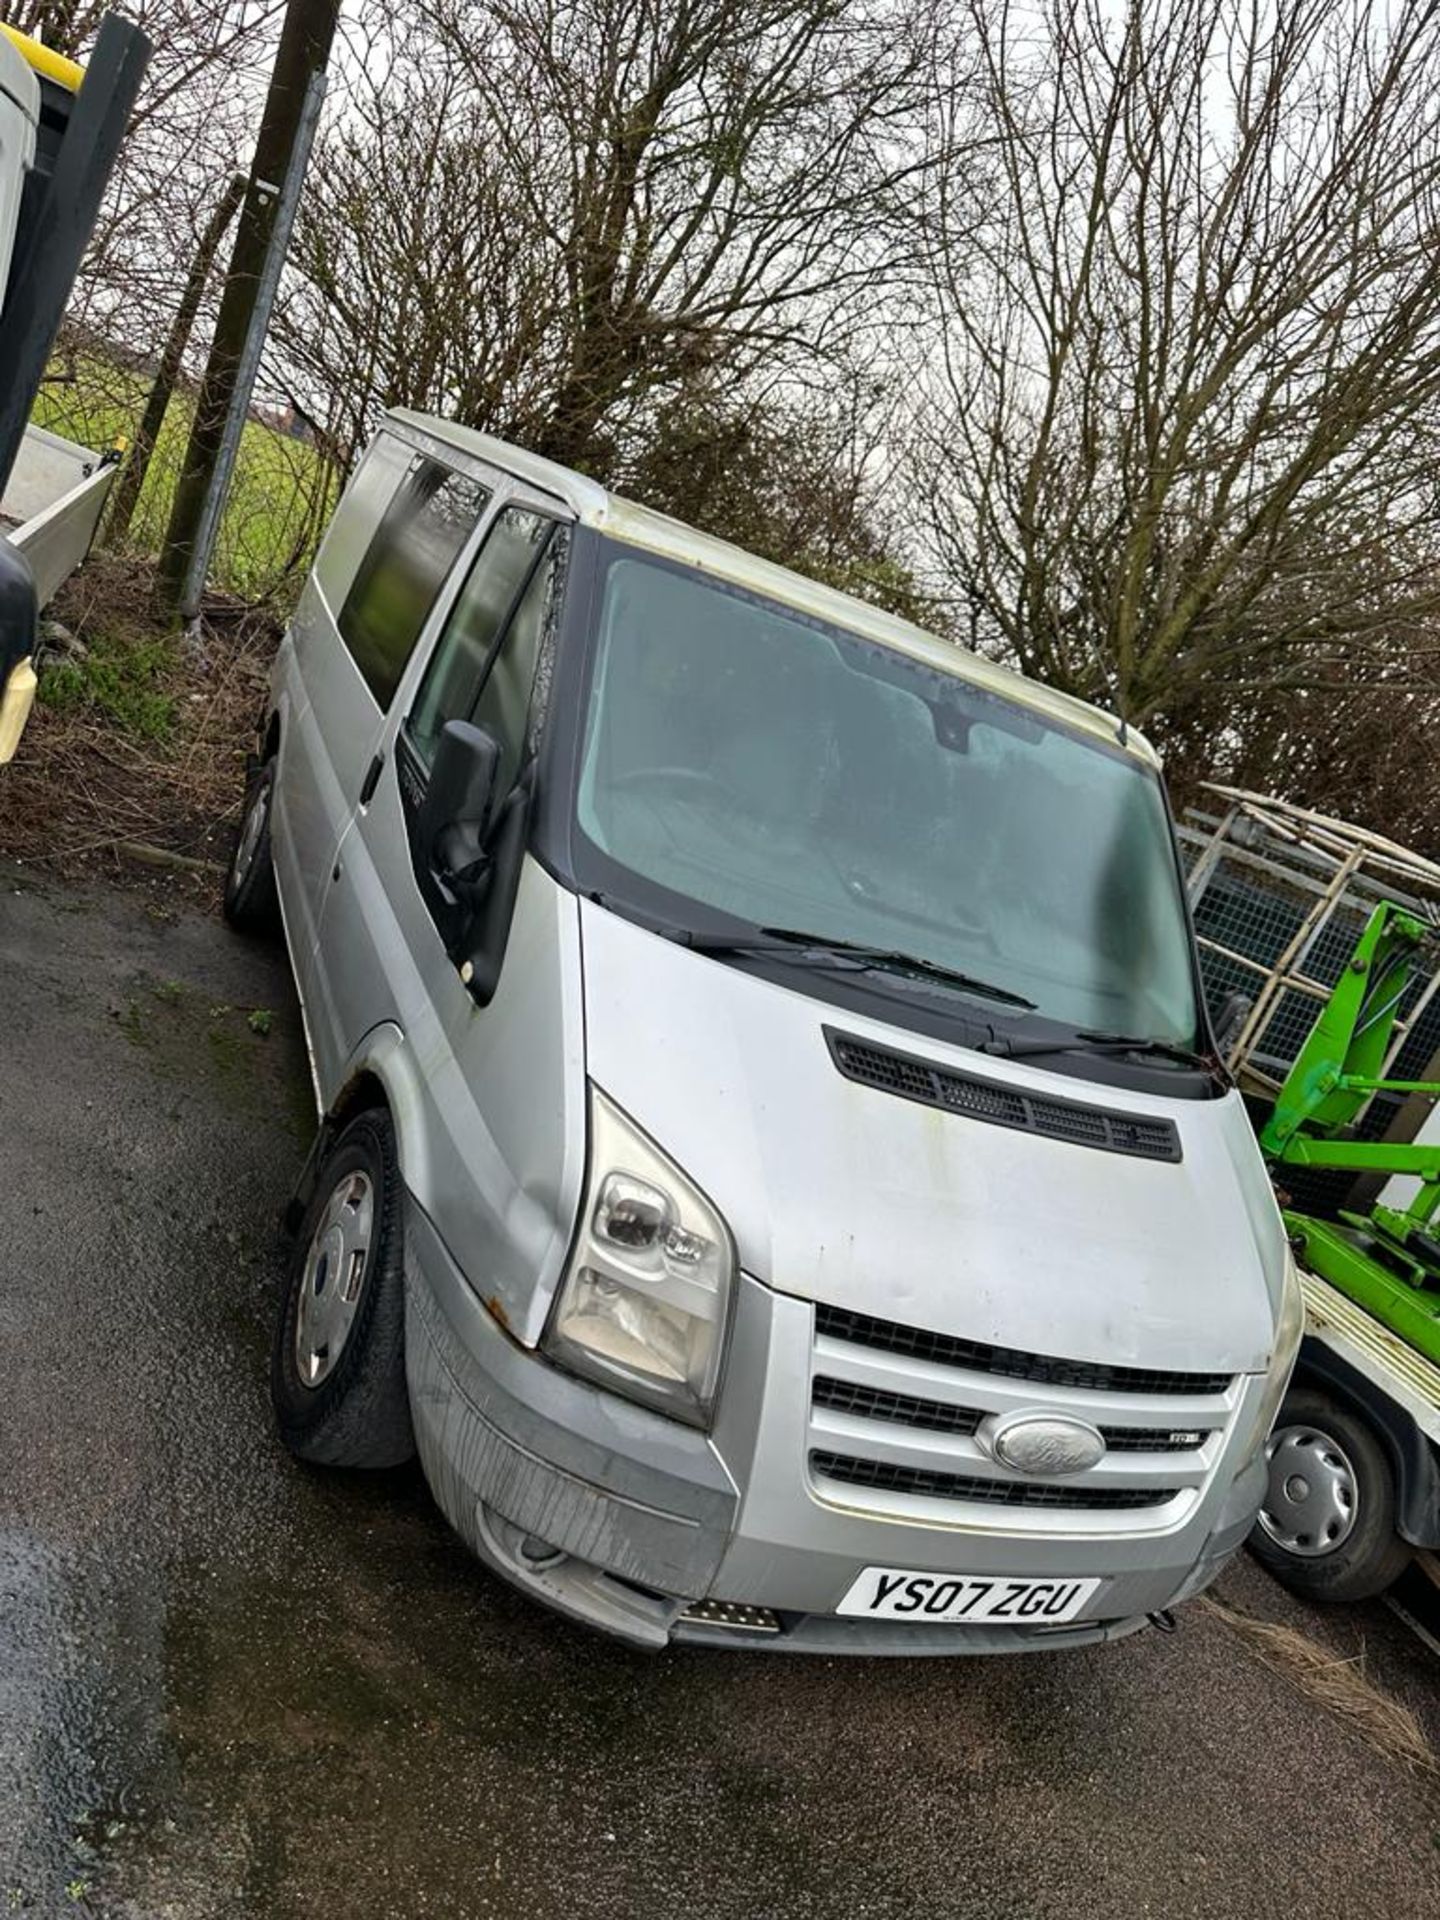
(948, 1350)
(886, 1477)
(1002, 1106)
(844, 1396)
(908, 1410)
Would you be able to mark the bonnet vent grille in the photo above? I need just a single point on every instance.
(1002, 1106)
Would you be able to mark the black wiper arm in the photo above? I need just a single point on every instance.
(1147, 1043)
(1085, 1041)
(794, 942)
(780, 940)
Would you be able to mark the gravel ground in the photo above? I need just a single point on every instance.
(233, 1686)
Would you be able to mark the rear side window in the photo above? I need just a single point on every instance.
(430, 517)
(368, 493)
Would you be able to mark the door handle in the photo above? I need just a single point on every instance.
(371, 780)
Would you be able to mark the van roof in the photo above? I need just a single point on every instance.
(658, 533)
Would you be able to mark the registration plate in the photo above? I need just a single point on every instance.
(897, 1593)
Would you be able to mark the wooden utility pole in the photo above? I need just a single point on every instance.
(304, 49)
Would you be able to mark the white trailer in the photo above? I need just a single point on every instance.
(49, 512)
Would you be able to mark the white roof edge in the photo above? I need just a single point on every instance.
(672, 539)
(587, 497)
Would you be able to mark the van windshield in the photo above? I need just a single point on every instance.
(746, 760)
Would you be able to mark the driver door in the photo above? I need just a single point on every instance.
(384, 930)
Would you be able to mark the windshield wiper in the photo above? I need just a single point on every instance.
(792, 941)
(1085, 1041)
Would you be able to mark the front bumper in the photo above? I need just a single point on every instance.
(624, 1520)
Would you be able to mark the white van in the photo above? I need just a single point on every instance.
(773, 1164)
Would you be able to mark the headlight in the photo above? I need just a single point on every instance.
(1289, 1327)
(643, 1305)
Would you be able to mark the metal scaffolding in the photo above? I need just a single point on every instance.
(1280, 896)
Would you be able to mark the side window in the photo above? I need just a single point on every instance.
(504, 704)
(430, 516)
(362, 507)
(505, 584)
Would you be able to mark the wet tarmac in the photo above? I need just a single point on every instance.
(232, 1686)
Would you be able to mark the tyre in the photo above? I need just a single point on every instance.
(1327, 1527)
(337, 1370)
(251, 903)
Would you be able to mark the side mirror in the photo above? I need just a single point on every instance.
(1235, 1010)
(455, 814)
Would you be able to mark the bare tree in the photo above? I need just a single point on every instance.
(1182, 431)
(1355, 753)
(192, 122)
(799, 476)
(542, 218)
(411, 283)
(132, 478)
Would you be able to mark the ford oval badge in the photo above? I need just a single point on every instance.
(1045, 1443)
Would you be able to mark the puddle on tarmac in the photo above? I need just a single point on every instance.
(377, 1715)
(83, 1758)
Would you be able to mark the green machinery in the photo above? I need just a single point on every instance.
(1319, 943)
(1387, 1260)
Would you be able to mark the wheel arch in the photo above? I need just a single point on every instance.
(279, 711)
(378, 1074)
(1410, 1455)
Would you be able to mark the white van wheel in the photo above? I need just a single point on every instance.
(332, 1276)
(1310, 1502)
(337, 1368)
(252, 904)
(1327, 1524)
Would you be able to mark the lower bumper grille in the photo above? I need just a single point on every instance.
(734, 1616)
(886, 1477)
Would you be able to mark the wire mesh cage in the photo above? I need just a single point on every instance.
(1280, 896)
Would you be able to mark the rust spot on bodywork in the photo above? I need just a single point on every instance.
(495, 1307)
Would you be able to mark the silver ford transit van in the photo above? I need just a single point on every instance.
(772, 1162)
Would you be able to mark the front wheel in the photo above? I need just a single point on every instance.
(1327, 1526)
(337, 1370)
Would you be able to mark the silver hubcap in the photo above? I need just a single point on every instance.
(250, 832)
(334, 1274)
(1310, 1506)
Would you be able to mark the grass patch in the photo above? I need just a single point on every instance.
(123, 677)
(280, 494)
(139, 737)
(1336, 1682)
